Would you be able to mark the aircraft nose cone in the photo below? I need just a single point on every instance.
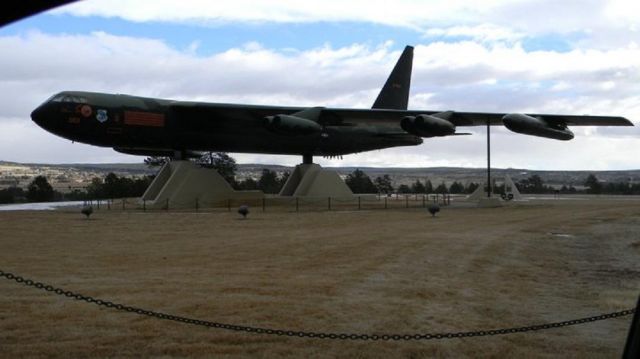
(39, 115)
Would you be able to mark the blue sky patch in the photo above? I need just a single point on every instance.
(216, 38)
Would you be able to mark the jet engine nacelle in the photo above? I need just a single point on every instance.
(291, 125)
(534, 126)
(427, 126)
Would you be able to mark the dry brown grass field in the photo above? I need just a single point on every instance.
(374, 271)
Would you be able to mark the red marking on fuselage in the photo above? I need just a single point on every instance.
(138, 118)
(86, 110)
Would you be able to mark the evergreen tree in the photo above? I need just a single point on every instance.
(428, 186)
(595, 187)
(268, 182)
(442, 188)
(39, 190)
(383, 184)
(113, 186)
(95, 189)
(359, 182)
(456, 188)
(221, 162)
(418, 187)
(11, 195)
(533, 184)
(248, 184)
(403, 188)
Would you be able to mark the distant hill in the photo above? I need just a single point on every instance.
(399, 175)
(402, 175)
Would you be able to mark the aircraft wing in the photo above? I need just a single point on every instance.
(481, 119)
(432, 124)
(464, 118)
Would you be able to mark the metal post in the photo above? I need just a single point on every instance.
(98, 204)
(488, 158)
(123, 204)
(385, 203)
(424, 204)
(197, 207)
(144, 205)
(263, 204)
(167, 205)
(359, 207)
(296, 204)
(406, 200)
(632, 347)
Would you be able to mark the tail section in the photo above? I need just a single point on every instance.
(395, 93)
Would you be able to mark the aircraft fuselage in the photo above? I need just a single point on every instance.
(148, 126)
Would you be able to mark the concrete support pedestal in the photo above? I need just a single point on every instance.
(182, 184)
(511, 192)
(311, 180)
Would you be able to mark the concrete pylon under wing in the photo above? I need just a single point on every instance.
(480, 194)
(185, 185)
(311, 180)
(510, 188)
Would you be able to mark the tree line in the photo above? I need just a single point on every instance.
(268, 182)
(359, 182)
(114, 186)
(111, 186)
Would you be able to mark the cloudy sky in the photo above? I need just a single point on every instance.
(543, 56)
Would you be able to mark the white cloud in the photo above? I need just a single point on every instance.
(604, 24)
(408, 13)
(463, 76)
(23, 141)
(482, 33)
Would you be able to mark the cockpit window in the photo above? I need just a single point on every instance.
(56, 98)
(68, 98)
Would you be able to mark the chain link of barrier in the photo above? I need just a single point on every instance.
(309, 334)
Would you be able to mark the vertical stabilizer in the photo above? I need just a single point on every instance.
(395, 93)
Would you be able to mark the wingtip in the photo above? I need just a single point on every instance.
(627, 121)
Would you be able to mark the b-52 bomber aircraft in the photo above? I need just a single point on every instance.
(179, 129)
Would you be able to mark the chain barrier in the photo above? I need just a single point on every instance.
(306, 334)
